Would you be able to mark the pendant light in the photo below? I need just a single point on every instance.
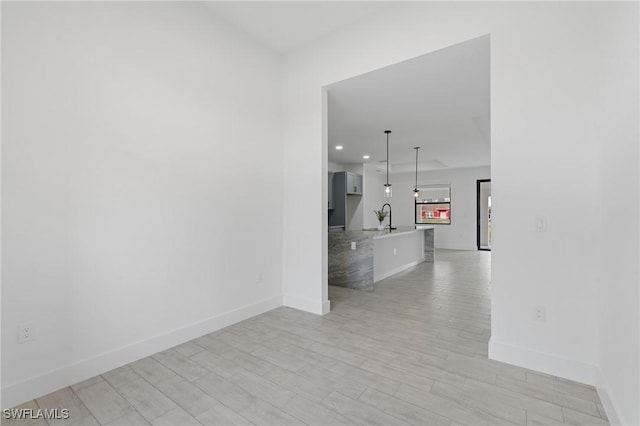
(416, 191)
(387, 186)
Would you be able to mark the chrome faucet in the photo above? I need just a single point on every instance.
(383, 206)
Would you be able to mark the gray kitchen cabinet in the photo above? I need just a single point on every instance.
(341, 185)
(354, 184)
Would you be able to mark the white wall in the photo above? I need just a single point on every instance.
(132, 134)
(462, 233)
(617, 144)
(335, 167)
(544, 67)
(373, 195)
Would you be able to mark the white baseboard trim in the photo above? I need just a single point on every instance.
(37, 386)
(608, 402)
(459, 248)
(394, 271)
(308, 305)
(566, 368)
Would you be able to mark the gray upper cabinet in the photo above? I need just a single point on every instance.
(354, 184)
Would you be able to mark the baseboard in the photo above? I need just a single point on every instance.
(459, 248)
(308, 305)
(566, 368)
(608, 402)
(394, 271)
(37, 386)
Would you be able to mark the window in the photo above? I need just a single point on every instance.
(433, 205)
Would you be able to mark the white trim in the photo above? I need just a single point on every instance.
(608, 401)
(566, 368)
(394, 271)
(37, 386)
(326, 307)
(304, 304)
(456, 247)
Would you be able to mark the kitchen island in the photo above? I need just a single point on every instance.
(359, 259)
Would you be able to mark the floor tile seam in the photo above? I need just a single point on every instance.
(399, 382)
(175, 401)
(131, 407)
(222, 403)
(333, 357)
(458, 403)
(276, 385)
(153, 386)
(124, 415)
(113, 385)
(226, 406)
(392, 414)
(284, 354)
(279, 407)
(283, 408)
(355, 375)
(561, 394)
(262, 400)
(425, 375)
(526, 401)
(584, 414)
(178, 373)
(413, 349)
(272, 365)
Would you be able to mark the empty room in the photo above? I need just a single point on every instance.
(140, 287)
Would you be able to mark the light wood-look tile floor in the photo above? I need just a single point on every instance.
(414, 351)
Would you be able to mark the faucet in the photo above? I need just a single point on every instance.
(383, 206)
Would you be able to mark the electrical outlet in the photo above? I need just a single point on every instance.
(540, 313)
(395, 252)
(541, 224)
(26, 333)
(353, 245)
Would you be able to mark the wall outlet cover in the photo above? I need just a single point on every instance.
(540, 313)
(26, 333)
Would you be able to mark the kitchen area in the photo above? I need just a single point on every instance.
(405, 145)
(360, 256)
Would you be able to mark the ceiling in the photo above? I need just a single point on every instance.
(284, 26)
(438, 101)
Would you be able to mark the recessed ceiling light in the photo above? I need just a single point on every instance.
(339, 147)
(366, 157)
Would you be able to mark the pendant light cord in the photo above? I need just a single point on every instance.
(416, 148)
(387, 132)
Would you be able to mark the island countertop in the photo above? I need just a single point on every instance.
(357, 258)
(375, 233)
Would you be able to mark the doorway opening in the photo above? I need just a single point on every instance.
(483, 216)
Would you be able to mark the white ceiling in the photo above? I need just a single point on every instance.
(438, 101)
(284, 26)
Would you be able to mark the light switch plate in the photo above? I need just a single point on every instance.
(541, 224)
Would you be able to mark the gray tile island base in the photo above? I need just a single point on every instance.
(377, 254)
